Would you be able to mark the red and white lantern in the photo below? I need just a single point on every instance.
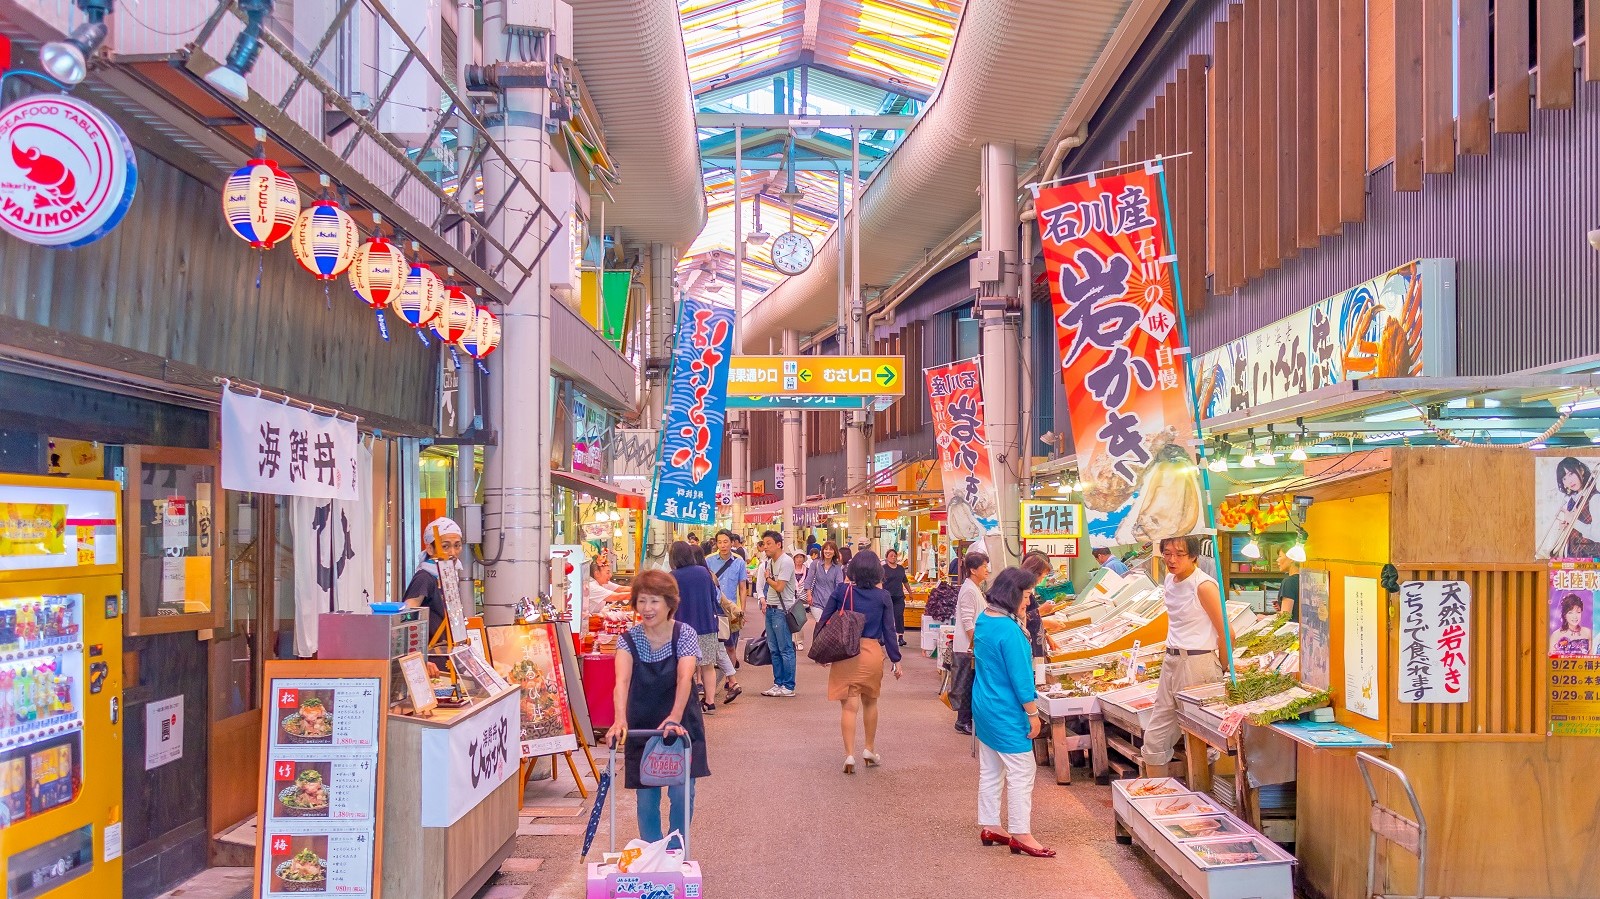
(483, 337)
(421, 298)
(324, 240)
(453, 322)
(261, 203)
(376, 274)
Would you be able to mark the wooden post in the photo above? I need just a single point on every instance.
(1059, 748)
(1098, 760)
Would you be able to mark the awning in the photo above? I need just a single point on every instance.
(586, 484)
(1321, 474)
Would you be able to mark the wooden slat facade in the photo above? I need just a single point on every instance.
(1406, 30)
(1511, 92)
(1438, 88)
(1555, 55)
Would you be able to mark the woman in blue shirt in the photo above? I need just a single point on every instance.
(698, 607)
(1005, 715)
(855, 683)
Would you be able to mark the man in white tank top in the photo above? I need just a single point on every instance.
(1194, 628)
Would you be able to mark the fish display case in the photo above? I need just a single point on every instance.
(60, 687)
(1206, 850)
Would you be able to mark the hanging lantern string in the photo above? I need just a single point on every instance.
(1450, 438)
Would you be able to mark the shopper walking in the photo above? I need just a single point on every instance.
(777, 597)
(698, 608)
(855, 683)
(894, 580)
(656, 661)
(968, 604)
(1194, 619)
(733, 586)
(822, 578)
(1005, 716)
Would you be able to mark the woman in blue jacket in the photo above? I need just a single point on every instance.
(1005, 715)
(698, 607)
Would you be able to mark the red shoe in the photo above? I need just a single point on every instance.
(990, 838)
(1042, 852)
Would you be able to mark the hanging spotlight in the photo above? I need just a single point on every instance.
(1219, 464)
(1299, 454)
(1268, 457)
(1251, 550)
(1247, 461)
(1297, 552)
(68, 61)
(229, 77)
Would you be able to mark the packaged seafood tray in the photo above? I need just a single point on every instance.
(1057, 705)
(1123, 792)
(1198, 827)
(1229, 852)
(1182, 804)
(1130, 708)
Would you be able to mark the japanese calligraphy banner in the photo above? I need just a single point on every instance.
(955, 395)
(272, 447)
(1435, 641)
(1574, 688)
(1112, 281)
(691, 441)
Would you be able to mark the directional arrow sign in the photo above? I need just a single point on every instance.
(808, 402)
(817, 376)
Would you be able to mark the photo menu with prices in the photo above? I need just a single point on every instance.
(321, 804)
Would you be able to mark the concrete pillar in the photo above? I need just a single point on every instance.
(517, 513)
(1001, 366)
(739, 422)
(793, 485)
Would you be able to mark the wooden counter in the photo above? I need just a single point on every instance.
(430, 779)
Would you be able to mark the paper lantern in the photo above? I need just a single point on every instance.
(421, 297)
(324, 240)
(377, 272)
(453, 322)
(483, 337)
(261, 203)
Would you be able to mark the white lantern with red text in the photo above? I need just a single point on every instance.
(376, 274)
(261, 203)
(453, 322)
(324, 240)
(421, 298)
(483, 337)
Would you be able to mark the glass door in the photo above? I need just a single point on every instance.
(172, 578)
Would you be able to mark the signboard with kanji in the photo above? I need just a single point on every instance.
(955, 397)
(1435, 641)
(1041, 518)
(790, 376)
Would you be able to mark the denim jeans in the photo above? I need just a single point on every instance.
(649, 811)
(781, 641)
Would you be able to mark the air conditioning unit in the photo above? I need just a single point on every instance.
(412, 107)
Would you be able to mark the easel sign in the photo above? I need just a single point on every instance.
(414, 668)
(467, 660)
(319, 798)
(529, 657)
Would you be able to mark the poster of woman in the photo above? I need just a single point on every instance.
(1571, 628)
(1566, 516)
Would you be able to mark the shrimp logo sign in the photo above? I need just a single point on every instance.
(67, 172)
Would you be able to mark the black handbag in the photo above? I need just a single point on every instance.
(757, 652)
(840, 637)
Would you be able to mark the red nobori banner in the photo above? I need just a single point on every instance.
(1112, 287)
(955, 395)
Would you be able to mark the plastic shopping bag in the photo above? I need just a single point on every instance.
(639, 857)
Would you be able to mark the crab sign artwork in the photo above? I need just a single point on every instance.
(955, 397)
(691, 442)
(1112, 288)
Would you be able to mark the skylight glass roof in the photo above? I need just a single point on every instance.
(859, 57)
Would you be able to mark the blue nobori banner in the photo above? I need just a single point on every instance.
(691, 439)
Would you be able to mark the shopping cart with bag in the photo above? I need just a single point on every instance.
(670, 874)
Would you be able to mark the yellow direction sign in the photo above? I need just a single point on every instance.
(778, 376)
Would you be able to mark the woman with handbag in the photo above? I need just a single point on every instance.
(1005, 715)
(854, 634)
(656, 662)
(699, 609)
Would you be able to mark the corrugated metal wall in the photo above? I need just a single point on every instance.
(172, 280)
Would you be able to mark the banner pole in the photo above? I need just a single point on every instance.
(1194, 398)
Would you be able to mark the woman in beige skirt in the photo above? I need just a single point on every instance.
(855, 683)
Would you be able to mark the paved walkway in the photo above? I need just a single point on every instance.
(778, 818)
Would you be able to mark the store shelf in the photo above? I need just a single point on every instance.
(21, 735)
(39, 652)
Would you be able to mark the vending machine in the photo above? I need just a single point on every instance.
(60, 687)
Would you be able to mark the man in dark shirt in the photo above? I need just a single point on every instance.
(442, 542)
(1289, 590)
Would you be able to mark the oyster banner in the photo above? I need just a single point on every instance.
(1112, 275)
(955, 395)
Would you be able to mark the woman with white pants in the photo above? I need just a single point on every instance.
(1005, 716)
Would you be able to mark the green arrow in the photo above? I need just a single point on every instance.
(805, 375)
(886, 375)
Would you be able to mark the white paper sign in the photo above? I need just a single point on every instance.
(1435, 639)
(270, 447)
(469, 760)
(163, 732)
(113, 842)
(1361, 623)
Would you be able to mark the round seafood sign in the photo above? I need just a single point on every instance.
(67, 172)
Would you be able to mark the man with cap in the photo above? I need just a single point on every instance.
(442, 543)
(1103, 556)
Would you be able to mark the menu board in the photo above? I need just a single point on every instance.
(321, 791)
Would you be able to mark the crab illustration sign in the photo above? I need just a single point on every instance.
(1112, 286)
(1397, 325)
(691, 441)
(67, 172)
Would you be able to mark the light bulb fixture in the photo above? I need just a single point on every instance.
(1219, 464)
(229, 77)
(1251, 550)
(1247, 461)
(1268, 457)
(1297, 552)
(1299, 454)
(67, 61)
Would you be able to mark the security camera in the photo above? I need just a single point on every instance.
(1594, 238)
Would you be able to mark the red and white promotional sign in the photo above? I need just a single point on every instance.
(67, 172)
